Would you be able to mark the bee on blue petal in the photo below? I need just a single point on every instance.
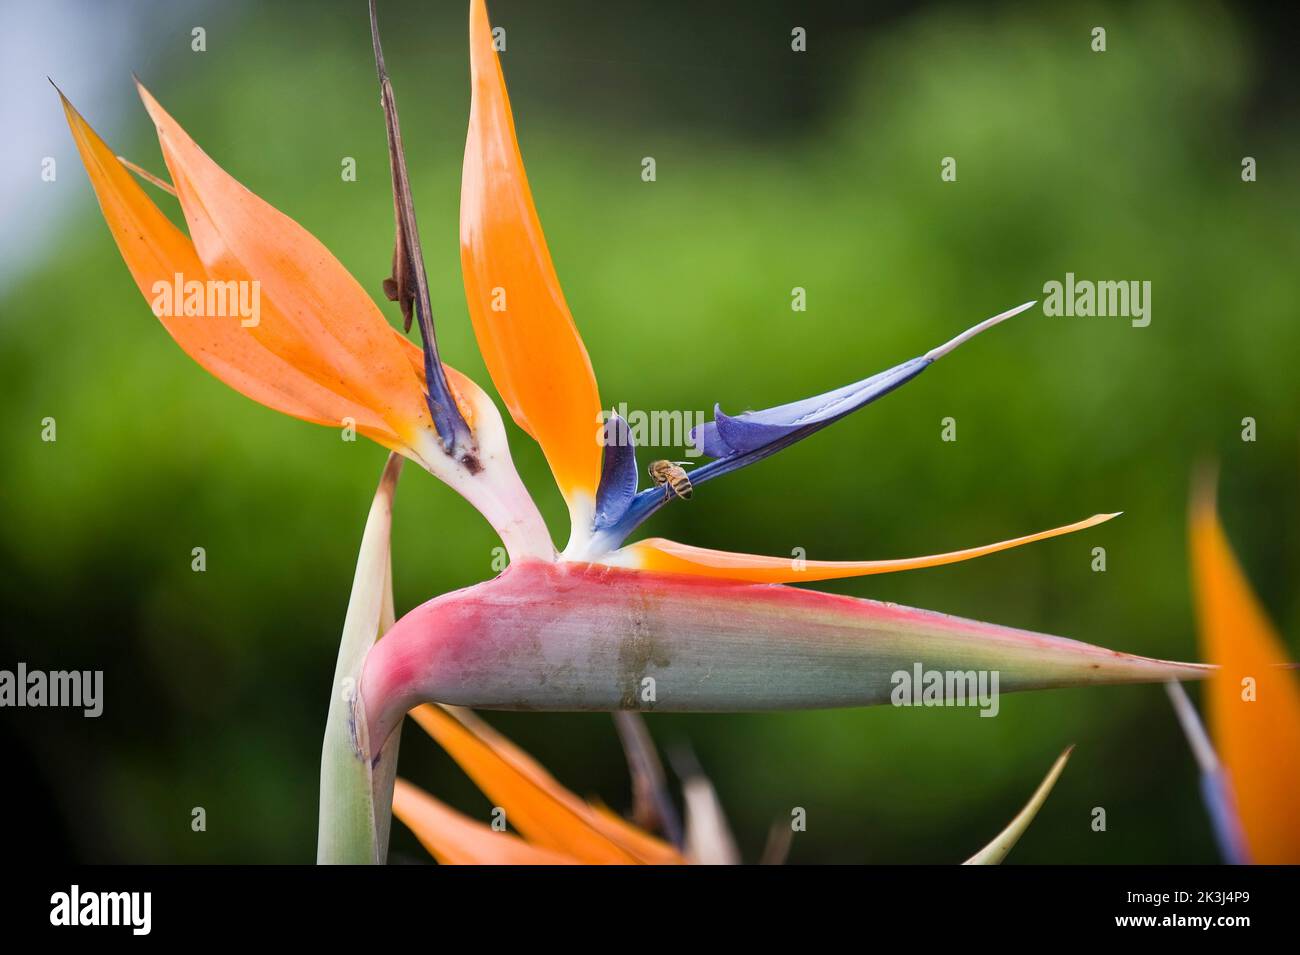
(672, 477)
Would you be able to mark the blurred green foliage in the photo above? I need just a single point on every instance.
(1122, 165)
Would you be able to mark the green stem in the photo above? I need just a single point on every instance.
(354, 783)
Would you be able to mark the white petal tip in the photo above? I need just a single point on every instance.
(936, 353)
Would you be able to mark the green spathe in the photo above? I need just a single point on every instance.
(352, 781)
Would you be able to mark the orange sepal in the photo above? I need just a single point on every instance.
(1258, 740)
(527, 336)
(155, 251)
(665, 556)
(455, 839)
(648, 848)
(546, 813)
(314, 314)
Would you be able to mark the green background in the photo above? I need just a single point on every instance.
(775, 170)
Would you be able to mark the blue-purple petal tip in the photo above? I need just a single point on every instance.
(734, 441)
(618, 473)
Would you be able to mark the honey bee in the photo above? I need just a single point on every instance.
(671, 476)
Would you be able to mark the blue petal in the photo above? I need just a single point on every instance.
(1216, 790)
(618, 474)
(727, 435)
(736, 441)
(1216, 787)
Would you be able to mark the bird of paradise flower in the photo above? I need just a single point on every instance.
(601, 624)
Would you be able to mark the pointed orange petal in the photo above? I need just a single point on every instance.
(1258, 741)
(456, 839)
(665, 556)
(155, 251)
(527, 336)
(646, 847)
(314, 313)
(543, 811)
